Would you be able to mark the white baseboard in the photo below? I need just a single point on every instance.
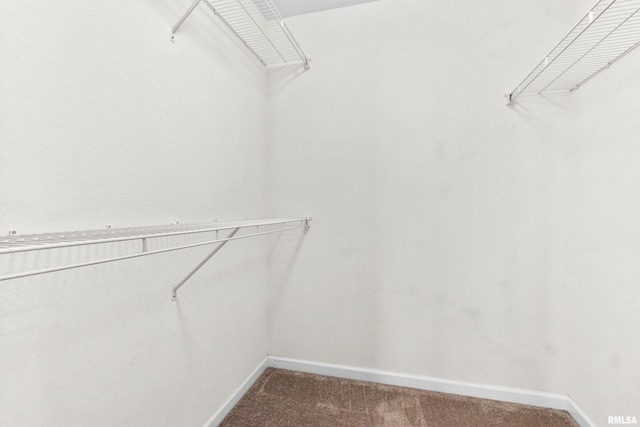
(578, 414)
(504, 394)
(237, 395)
(484, 391)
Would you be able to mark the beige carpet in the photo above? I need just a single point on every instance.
(281, 398)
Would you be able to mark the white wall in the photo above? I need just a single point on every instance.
(104, 121)
(448, 237)
(605, 244)
(437, 241)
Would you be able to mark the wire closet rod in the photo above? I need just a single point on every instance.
(303, 223)
(24, 243)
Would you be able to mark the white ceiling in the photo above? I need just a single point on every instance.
(299, 7)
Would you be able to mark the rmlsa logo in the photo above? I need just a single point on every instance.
(619, 419)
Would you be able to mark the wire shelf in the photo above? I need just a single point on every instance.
(608, 32)
(260, 27)
(207, 234)
(31, 242)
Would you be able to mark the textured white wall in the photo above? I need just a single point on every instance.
(104, 121)
(448, 233)
(605, 244)
(456, 237)
(437, 245)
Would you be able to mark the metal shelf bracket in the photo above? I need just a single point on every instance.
(174, 294)
(183, 18)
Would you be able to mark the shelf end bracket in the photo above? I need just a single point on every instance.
(509, 98)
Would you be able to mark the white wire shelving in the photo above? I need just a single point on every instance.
(608, 32)
(152, 240)
(260, 27)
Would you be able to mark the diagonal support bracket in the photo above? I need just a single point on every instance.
(182, 19)
(174, 295)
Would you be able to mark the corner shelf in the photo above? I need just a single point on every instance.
(207, 233)
(608, 32)
(258, 24)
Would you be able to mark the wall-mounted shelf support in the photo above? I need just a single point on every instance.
(258, 24)
(153, 240)
(607, 33)
(174, 294)
(183, 18)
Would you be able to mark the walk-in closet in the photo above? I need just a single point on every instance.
(322, 212)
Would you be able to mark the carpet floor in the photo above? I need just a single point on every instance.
(281, 398)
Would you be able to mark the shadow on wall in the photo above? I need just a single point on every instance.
(283, 256)
(283, 76)
(205, 33)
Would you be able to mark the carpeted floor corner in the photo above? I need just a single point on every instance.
(282, 398)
